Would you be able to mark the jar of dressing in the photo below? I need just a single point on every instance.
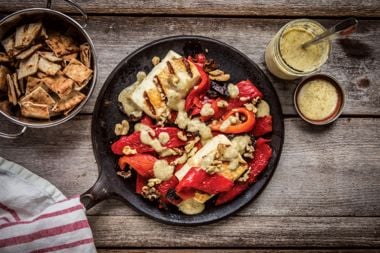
(284, 55)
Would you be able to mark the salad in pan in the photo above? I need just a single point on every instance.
(190, 135)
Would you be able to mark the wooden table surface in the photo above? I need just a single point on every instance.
(325, 192)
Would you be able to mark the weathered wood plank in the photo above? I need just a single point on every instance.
(370, 8)
(135, 231)
(236, 250)
(355, 63)
(323, 171)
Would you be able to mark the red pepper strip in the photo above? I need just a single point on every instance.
(248, 90)
(140, 182)
(141, 163)
(147, 121)
(134, 142)
(243, 127)
(214, 106)
(262, 155)
(164, 187)
(230, 195)
(186, 193)
(201, 88)
(263, 126)
(199, 179)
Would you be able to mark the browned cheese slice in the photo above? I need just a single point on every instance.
(69, 102)
(3, 78)
(4, 57)
(33, 83)
(11, 90)
(50, 56)
(33, 110)
(59, 84)
(26, 34)
(38, 96)
(28, 66)
(61, 44)
(48, 67)
(77, 71)
(28, 52)
(85, 54)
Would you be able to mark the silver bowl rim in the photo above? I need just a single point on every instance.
(94, 78)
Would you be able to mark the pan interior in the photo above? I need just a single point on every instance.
(107, 114)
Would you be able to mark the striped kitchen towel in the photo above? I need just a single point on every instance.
(36, 217)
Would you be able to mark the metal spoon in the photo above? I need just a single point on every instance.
(343, 28)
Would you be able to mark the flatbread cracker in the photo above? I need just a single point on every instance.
(38, 96)
(28, 66)
(26, 34)
(59, 84)
(5, 106)
(11, 90)
(48, 67)
(4, 57)
(3, 78)
(33, 83)
(50, 56)
(9, 45)
(61, 44)
(28, 52)
(77, 71)
(33, 110)
(41, 74)
(85, 54)
(69, 57)
(16, 85)
(68, 102)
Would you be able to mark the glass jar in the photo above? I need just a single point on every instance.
(284, 55)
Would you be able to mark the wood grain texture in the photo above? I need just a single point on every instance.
(355, 62)
(236, 250)
(369, 8)
(134, 231)
(323, 171)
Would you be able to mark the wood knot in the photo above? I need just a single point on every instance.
(363, 83)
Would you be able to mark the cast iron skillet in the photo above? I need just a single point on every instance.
(107, 114)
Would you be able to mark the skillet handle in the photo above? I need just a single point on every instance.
(97, 193)
(76, 6)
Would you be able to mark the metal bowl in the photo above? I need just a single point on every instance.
(60, 22)
(339, 108)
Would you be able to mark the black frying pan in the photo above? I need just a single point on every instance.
(106, 115)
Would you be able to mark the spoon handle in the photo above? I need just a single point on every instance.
(344, 27)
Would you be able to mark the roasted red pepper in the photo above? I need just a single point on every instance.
(262, 155)
(243, 127)
(165, 187)
(199, 179)
(133, 141)
(147, 121)
(263, 126)
(230, 195)
(248, 90)
(141, 163)
(199, 89)
(140, 182)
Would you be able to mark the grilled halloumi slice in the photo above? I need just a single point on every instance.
(167, 83)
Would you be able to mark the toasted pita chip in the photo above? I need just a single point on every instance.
(11, 90)
(68, 102)
(28, 66)
(28, 52)
(41, 74)
(43, 33)
(39, 96)
(48, 67)
(50, 56)
(85, 54)
(16, 85)
(4, 57)
(33, 110)
(77, 71)
(9, 45)
(80, 86)
(5, 106)
(3, 78)
(33, 83)
(61, 44)
(69, 57)
(59, 84)
(21, 85)
(25, 34)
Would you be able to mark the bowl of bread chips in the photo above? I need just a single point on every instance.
(47, 68)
